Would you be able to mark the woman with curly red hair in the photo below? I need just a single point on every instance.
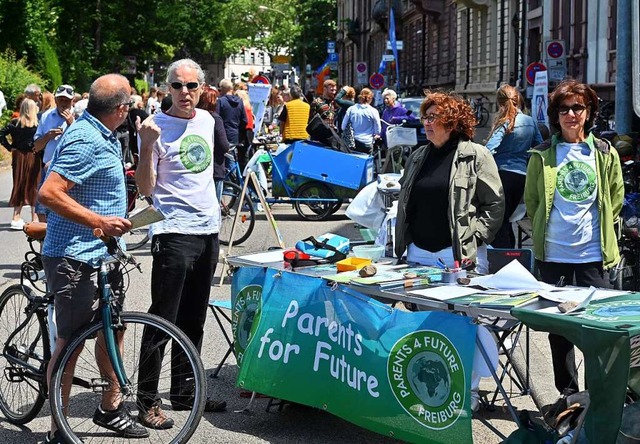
(451, 202)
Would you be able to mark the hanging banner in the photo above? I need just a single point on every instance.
(397, 373)
(259, 96)
(540, 100)
(394, 46)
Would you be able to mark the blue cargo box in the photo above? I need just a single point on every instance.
(317, 162)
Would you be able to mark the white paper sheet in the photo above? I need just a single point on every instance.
(444, 292)
(513, 276)
(578, 294)
(264, 258)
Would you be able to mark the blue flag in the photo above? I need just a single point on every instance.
(394, 46)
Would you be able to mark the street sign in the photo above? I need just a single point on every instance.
(388, 58)
(532, 69)
(555, 49)
(331, 47)
(376, 80)
(333, 57)
(280, 67)
(261, 79)
(281, 59)
(399, 45)
(361, 73)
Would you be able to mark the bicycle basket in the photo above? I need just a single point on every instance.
(397, 135)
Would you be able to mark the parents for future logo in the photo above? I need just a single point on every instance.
(427, 378)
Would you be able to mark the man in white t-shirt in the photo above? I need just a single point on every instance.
(176, 168)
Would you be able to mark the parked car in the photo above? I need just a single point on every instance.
(413, 104)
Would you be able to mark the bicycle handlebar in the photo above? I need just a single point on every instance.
(114, 249)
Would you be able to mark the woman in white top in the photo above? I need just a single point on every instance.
(365, 121)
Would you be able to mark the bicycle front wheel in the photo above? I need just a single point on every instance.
(176, 359)
(229, 207)
(24, 357)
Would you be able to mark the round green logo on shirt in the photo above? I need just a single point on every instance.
(195, 154)
(576, 181)
(427, 378)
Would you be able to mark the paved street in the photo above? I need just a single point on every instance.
(295, 424)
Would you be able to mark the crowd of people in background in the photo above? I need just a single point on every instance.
(570, 182)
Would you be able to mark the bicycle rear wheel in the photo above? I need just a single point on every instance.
(483, 116)
(74, 419)
(137, 237)
(315, 201)
(228, 210)
(24, 357)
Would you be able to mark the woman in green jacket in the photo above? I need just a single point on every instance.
(573, 194)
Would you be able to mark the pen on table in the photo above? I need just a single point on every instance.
(407, 283)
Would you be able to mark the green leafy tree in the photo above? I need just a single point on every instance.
(318, 25)
(271, 26)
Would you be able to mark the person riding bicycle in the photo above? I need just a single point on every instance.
(176, 168)
(85, 189)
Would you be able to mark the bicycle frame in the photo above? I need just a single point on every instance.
(113, 351)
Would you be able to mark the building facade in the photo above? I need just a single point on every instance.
(474, 46)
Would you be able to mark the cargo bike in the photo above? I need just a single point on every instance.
(313, 178)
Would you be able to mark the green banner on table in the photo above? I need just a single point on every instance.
(608, 334)
(400, 374)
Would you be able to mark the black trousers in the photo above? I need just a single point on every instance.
(513, 186)
(562, 350)
(183, 266)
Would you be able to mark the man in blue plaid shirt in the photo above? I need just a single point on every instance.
(85, 189)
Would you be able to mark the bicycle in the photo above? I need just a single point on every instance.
(26, 355)
(481, 113)
(230, 202)
(136, 237)
(400, 143)
(626, 274)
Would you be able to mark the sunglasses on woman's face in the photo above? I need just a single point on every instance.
(190, 85)
(577, 109)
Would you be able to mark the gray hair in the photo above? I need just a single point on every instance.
(225, 85)
(295, 92)
(390, 93)
(103, 99)
(184, 63)
(32, 88)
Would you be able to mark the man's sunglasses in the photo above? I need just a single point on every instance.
(190, 85)
(577, 109)
(63, 88)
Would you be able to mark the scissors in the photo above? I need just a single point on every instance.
(441, 264)
(467, 264)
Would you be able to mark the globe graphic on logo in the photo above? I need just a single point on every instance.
(244, 324)
(196, 154)
(576, 180)
(622, 311)
(429, 378)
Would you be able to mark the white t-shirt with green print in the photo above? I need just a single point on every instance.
(573, 230)
(185, 190)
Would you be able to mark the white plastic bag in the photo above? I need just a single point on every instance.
(367, 208)
(397, 135)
